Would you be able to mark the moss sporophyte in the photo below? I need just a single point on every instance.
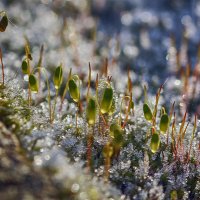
(58, 77)
(155, 142)
(147, 112)
(25, 67)
(164, 123)
(33, 83)
(3, 21)
(102, 106)
(74, 88)
(107, 100)
(91, 111)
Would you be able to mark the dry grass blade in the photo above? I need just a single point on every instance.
(173, 135)
(181, 128)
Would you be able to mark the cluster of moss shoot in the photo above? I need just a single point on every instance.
(102, 106)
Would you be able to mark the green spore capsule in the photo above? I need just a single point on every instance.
(164, 123)
(107, 100)
(91, 111)
(58, 77)
(74, 90)
(147, 112)
(155, 142)
(33, 83)
(3, 21)
(25, 68)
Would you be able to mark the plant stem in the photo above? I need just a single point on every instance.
(29, 95)
(2, 66)
(65, 90)
(89, 150)
(107, 167)
(193, 132)
(105, 123)
(49, 98)
(48, 88)
(54, 106)
(77, 122)
(28, 57)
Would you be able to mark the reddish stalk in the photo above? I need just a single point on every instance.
(89, 151)
(170, 117)
(180, 135)
(107, 167)
(156, 104)
(194, 129)
(128, 111)
(196, 76)
(174, 150)
(129, 82)
(106, 67)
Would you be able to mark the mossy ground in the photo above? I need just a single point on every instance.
(43, 160)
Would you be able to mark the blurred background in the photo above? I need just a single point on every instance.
(135, 32)
(153, 38)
